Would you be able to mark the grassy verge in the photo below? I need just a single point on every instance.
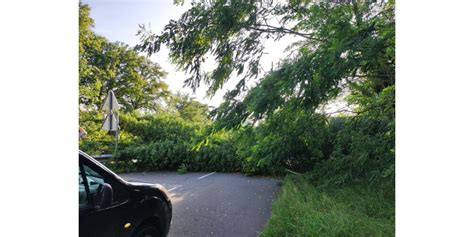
(305, 210)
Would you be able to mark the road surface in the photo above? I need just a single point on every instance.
(215, 204)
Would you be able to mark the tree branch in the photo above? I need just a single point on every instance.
(275, 29)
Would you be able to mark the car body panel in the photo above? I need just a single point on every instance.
(145, 203)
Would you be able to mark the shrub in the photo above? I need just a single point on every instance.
(289, 139)
(182, 169)
(163, 142)
(363, 147)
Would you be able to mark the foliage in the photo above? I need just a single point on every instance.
(338, 41)
(303, 209)
(186, 107)
(162, 142)
(346, 49)
(99, 141)
(103, 66)
(293, 140)
(364, 146)
(182, 169)
(218, 154)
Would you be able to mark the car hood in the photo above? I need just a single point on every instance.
(149, 188)
(145, 185)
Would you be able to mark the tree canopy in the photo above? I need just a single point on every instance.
(104, 65)
(188, 108)
(343, 45)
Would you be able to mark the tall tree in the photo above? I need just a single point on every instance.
(188, 108)
(103, 66)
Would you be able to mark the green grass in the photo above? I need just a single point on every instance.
(305, 210)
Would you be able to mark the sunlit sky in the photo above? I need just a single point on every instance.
(118, 20)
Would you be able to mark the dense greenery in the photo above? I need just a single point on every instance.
(163, 140)
(168, 142)
(103, 66)
(159, 130)
(346, 50)
(281, 124)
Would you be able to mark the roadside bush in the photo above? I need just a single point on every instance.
(363, 147)
(217, 154)
(182, 169)
(165, 142)
(166, 154)
(99, 141)
(360, 152)
(288, 140)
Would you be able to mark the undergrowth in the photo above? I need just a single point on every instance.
(305, 209)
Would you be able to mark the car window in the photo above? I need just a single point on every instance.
(94, 180)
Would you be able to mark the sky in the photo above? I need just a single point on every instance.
(118, 20)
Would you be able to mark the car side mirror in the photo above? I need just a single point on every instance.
(104, 196)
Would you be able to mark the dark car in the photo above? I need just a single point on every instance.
(111, 206)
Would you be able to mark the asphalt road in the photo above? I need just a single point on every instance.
(215, 204)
